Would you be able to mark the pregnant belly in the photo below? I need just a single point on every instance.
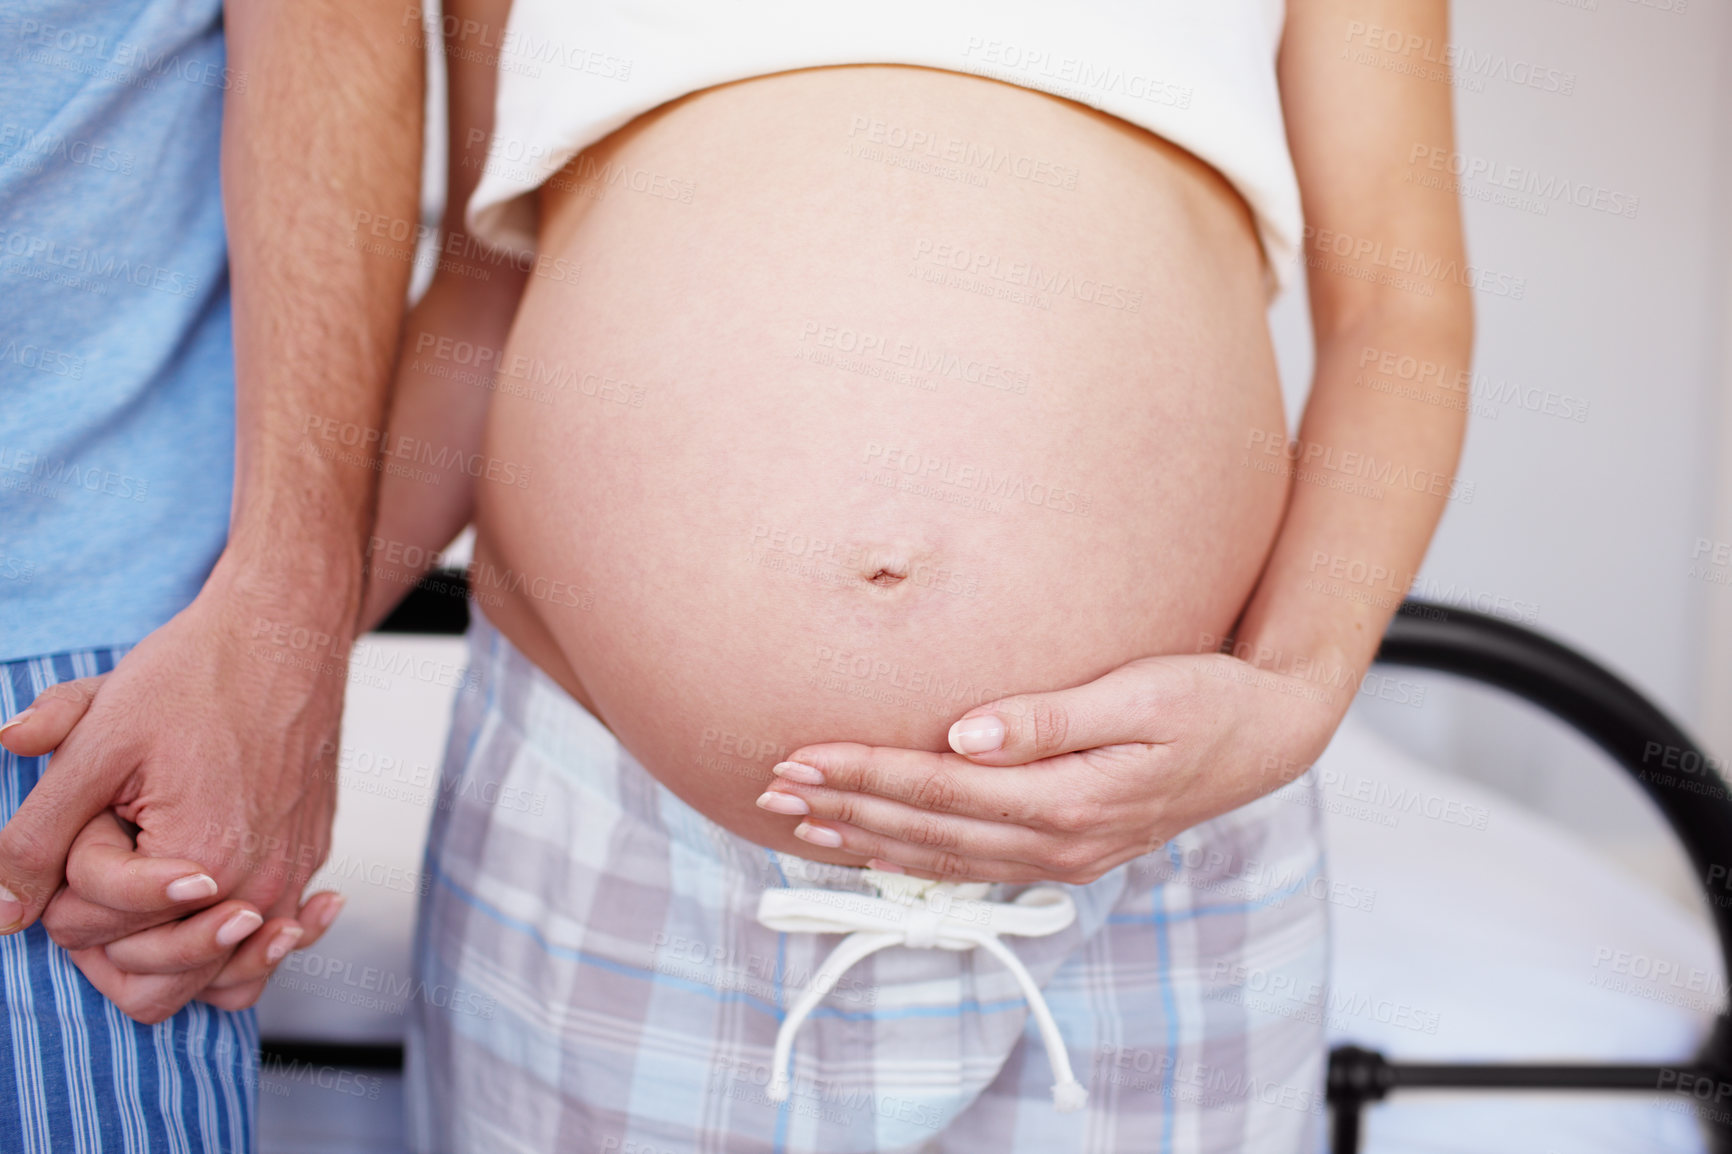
(867, 395)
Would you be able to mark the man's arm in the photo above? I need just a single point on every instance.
(217, 734)
(321, 147)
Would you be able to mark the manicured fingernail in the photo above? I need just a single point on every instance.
(236, 929)
(282, 944)
(18, 719)
(885, 867)
(794, 771)
(11, 911)
(818, 835)
(191, 888)
(332, 909)
(783, 803)
(977, 735)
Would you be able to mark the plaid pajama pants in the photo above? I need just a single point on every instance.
(598, 980)
(77, 1075)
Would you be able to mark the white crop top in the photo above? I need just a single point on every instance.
(1200, 73)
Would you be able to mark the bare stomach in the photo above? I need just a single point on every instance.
(869, 395)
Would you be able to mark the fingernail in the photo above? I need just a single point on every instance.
(885, 867)
(282, 943)
(977, 735)
(794, 771)
(783, 803)
(236, 929)
(11, 911)
(18, 719)
(191, 888)
(332, 909)
(818, 835)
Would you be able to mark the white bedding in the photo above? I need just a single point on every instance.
(1509, 942)
(1490, 933)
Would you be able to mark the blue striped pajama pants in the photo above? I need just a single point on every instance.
(76, 1075)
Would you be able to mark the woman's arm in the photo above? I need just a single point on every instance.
(1067, 785)
(1386, 273)
(439, 404)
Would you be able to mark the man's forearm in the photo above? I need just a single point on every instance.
(1373, 469)
(322, 130)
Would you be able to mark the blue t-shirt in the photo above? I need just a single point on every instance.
(116, 362)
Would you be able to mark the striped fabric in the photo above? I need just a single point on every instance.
(76, 1075)
(598, 980)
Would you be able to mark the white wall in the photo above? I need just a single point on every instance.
(1592, 523)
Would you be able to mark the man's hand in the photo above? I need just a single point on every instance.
(1065, 786)
(213, 738)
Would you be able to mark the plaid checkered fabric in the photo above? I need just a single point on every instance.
(598, 980)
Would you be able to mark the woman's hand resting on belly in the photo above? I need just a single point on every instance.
(1065, 786)
(1087, 778)
(1204, 517)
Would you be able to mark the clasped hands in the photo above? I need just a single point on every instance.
(1061, 786)
(188, 801)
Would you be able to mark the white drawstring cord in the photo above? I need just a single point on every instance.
(919, 914)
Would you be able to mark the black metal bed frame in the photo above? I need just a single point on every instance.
(1672, 770)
